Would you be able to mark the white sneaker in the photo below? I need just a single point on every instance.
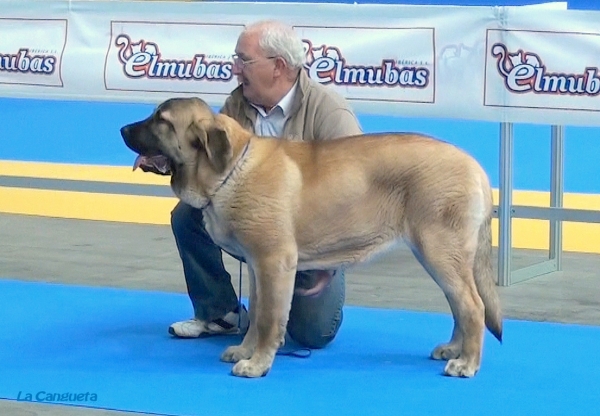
(232, 323)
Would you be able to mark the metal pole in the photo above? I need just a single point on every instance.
(556, 192)
(505, 205)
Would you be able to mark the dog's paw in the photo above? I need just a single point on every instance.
(460, 367)
(248, 368)
(235, 353)
(446, 352)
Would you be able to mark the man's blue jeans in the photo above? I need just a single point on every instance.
(313, 322)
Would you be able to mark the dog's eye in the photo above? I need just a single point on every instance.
(158, 118)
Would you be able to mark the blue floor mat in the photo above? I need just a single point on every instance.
(109, 348)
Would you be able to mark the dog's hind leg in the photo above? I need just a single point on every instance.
(270, 312)
(449, 260)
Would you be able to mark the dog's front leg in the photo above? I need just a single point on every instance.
(274, 290)
(245, 350)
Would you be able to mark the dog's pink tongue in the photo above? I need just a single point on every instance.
(139, 161)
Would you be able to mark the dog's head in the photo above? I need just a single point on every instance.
(179, 134)
(184, 138)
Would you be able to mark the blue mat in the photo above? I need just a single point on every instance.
(109, 348)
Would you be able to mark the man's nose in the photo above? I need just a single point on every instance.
(237, 70)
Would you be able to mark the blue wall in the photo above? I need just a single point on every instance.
(88, 133)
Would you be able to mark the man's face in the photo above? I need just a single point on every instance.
(253, 69)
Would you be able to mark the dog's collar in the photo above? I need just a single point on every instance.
(233, 169)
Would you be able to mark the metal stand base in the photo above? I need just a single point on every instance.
(556, 214)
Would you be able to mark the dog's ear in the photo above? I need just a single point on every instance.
(215, 142)
(218, 148)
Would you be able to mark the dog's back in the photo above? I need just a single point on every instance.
(375, 189)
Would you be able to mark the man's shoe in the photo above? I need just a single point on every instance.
(192, 328)
(233, 323)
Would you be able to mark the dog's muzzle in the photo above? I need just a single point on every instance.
(156, 163)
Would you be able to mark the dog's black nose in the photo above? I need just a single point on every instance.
(124, 131)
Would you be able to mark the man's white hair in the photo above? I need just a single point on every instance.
(278, 39)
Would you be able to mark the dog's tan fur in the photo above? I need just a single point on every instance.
(286, 206)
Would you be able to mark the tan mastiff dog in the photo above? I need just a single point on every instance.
(287, 205)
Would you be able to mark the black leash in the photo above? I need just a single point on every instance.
(303, 352)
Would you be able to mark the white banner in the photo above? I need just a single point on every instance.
(545, 72)
(365, 63)
(38, 60)
(536, 64)
(146, 57)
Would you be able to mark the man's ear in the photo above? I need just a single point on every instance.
(215, 142)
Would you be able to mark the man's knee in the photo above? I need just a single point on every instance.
(186, 219)
(180, 216)
(315, 336)
(315, 321)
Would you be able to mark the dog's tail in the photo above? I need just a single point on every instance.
(483, 274)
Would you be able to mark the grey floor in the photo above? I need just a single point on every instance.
(144, 257)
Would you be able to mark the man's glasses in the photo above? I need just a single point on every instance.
(241, 63)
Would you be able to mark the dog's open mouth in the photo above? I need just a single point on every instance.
(158, 164)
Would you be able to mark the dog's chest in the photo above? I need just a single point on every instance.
(220, 232)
